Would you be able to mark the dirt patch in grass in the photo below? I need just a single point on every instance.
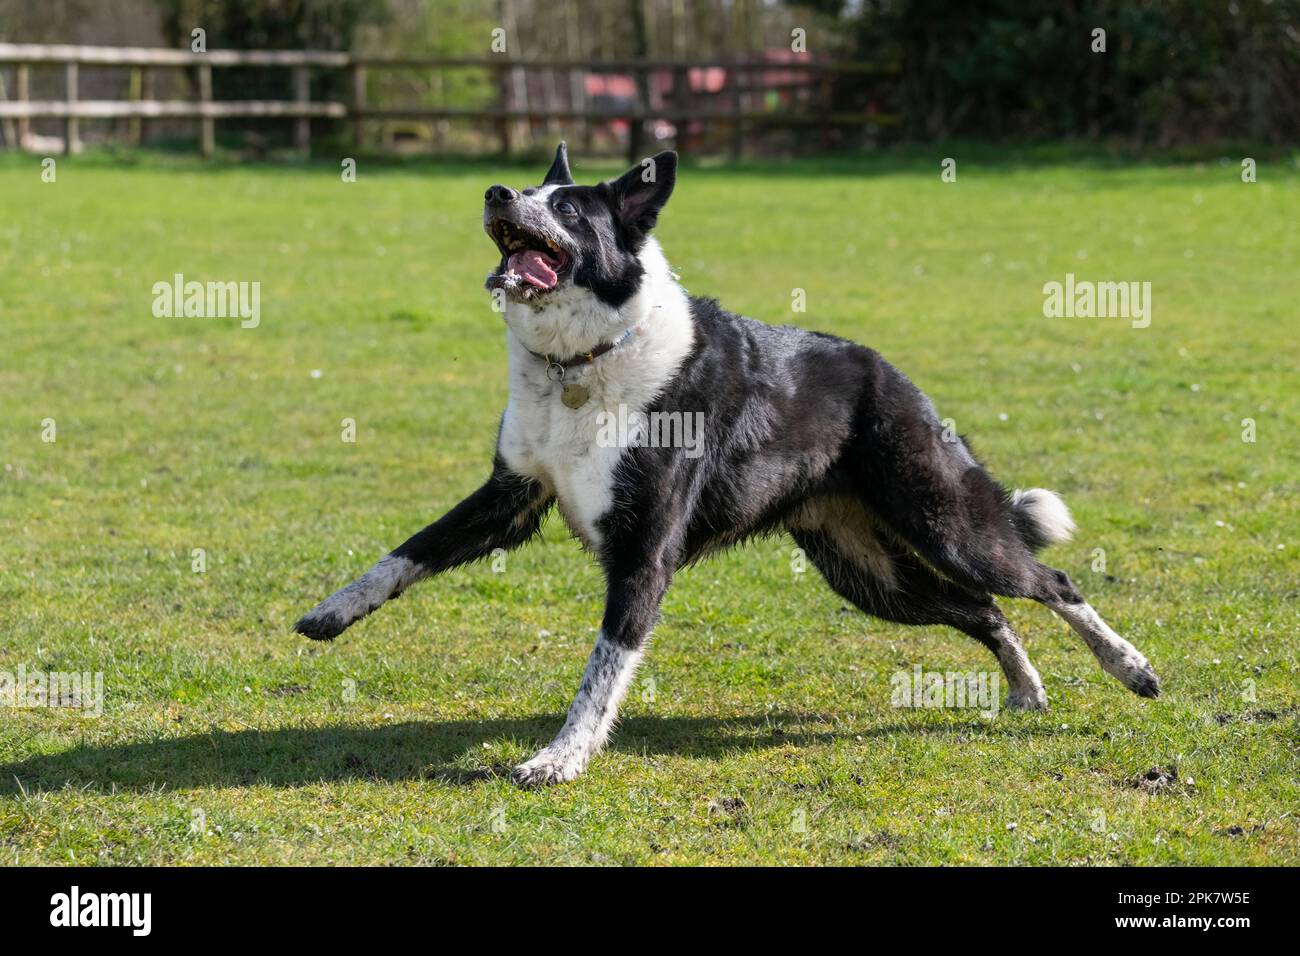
(1261, 716)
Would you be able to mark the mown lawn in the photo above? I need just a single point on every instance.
(760, 729)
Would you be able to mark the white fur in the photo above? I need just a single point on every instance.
(591, 716)
(1116, 656)
(543, 438)
(1027, 691)
(1047, 511)
(391, 575)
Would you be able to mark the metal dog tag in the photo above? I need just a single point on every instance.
(574, 395)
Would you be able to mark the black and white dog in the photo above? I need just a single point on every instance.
(805, 433)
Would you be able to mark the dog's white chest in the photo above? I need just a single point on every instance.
(563, 447)
(576, 452)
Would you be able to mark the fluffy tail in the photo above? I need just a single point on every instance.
(1041, 518)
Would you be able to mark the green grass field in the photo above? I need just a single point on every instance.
(760, 729)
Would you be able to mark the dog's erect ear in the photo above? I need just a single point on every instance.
(644, 189)
(559, 174)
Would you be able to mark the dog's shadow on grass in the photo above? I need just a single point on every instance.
(451, 751)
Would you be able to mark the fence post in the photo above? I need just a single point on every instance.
(21, 87)
(7, 130)
(520, 101)
(207, 125)
(737, 132)
(358, 104)
(146, 94)
(438, 89)
(302, 93)
(827, 104)
(551, 101)
(133, 95)
(503, 94)
(578, 102)
(71, 125)
(636, 125)
(681, 104)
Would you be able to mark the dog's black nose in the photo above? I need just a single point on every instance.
(499, 195)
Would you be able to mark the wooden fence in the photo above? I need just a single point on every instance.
(743, 109)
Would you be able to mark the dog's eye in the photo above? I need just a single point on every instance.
(566, 208)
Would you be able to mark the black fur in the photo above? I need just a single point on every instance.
(795, 416)
(504, 513)
(805, 433)
(605, 231)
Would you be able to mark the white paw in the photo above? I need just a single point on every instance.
(1131, 669)
(332, 616)
(547, 767)
(1027, 698)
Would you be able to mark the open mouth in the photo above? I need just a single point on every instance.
(534, 259)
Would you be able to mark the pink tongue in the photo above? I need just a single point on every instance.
(535, 268)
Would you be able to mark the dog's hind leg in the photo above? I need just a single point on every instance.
(887, 581)
(504, 513)
(928, 489)
(986, 550)
(1116, 656)
(984, 539)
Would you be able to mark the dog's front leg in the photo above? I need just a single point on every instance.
(631, 608)
(504, 513)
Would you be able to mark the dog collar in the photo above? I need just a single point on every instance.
(555, 368)
(572, 394)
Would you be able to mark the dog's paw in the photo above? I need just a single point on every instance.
(1027, 698)
(548, 767)
(321, 624)
(334, 615)
(1144, 682)
(1127, 665)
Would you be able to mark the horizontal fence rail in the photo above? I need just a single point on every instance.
(32, 53)
(148, 56)
(505, 72)
(118, 109)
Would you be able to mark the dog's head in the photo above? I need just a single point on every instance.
(560, 236)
